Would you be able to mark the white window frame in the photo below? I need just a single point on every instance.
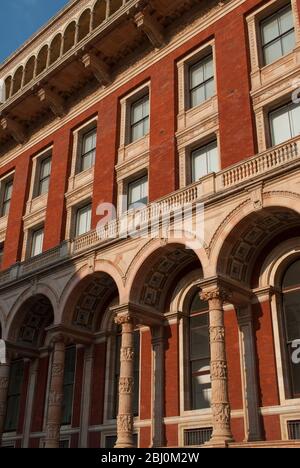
(9, 179)
(135, 181)
(76, 211)
(197, 148)
(271, 133)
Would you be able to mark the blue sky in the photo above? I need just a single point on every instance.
(19, 19)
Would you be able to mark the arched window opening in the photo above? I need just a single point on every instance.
(115, 5)
(291, 312)
(29, 70)
(8, 82)
(42, 60)
(17, 80)
(199, 354)
(69, 37)
(99, 13)
(55, 48)
(84, 25)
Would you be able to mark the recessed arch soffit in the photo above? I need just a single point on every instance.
(95, 295)
(155, 286)
(243, 245)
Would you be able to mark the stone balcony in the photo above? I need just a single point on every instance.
(85, 46)
(237, 177)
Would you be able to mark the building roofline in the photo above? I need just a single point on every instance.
(35, 35)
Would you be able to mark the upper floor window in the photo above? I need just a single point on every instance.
(199, 355)
(140, 118)
(202, 82)
(88, 150)
(6, 197)
(44, 173)
(278, 35)
(68, 386)
(14, 396)
(83, 220)
(284, 123)
(205, 160)
(138, 192)
(37, 242)
(291, 309)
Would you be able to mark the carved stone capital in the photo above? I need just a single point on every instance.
(216, 294)
(122, 319)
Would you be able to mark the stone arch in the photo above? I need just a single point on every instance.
(29, 70)
(17, 80)
(155, 269)
(277, 261)
(84, 24)
(69, 37)
(244, 247)
(41, 289)
(282, 200)
(88, 293)
(42, 59)
(28, 324)
(115, 5)
(55, 48)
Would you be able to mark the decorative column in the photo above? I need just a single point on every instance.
(55, 398)
(4, 380)
(126, 383)
(219, 375)
(158, 385)
(253, 430)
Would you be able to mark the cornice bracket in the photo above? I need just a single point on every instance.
(98, 67)
(150, 26)
(15, 129)
(54, 101)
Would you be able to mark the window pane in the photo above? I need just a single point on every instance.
(280, 125)
(288, 42)
(286, 20)
(295, 371)
(204, 161)
(292, 275)
(13, 396)
(198, 96)
(201, 390)
(199, 341)
(292, 314)
(208, 68)
(140, 110)
(295, 119)
(45, 168)
(44, 186)
(210, 89)
(84, 220)
(68, 389)
(197, 75)
(88, 160)
(137, 131)
(270, 30)
(37, 243)
(138, 192)
(213, 158)
(273, 52)
(8, 191)
(89, 141)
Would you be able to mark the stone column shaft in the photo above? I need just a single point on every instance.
(4, 380)
(158, 398)
(219, 376)
(126, 383)
(55, 398)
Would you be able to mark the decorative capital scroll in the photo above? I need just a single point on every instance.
(217, 293)
(58, 338)
(127, 354)
(126, 385)
(125, 423)
(122, 319)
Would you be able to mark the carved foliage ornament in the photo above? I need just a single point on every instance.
(3, 382)
(218, 294)
(219, 370)
(125, 423)
(217, 334)
(123, 319)
(126, 385)
(221, 414)
(127, 354)
(52, 431)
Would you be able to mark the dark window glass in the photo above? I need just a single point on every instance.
(68, 389)
(14, 396)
